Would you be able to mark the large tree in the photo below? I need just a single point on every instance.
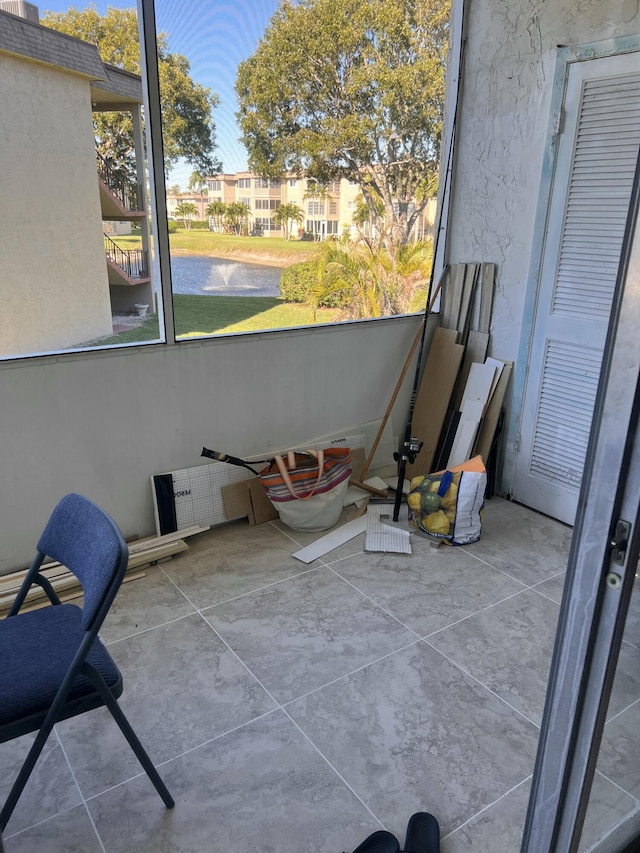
(188, 127)
(354, 89)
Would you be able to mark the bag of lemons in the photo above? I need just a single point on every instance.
(449, 505)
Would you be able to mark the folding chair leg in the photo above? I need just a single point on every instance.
(23, 776)
(136, 746)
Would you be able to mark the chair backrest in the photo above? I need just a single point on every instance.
(81, 536)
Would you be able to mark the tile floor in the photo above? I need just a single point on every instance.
(296, 709)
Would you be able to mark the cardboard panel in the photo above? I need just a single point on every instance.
(437, 383)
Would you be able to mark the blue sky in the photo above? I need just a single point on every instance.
(215, 36)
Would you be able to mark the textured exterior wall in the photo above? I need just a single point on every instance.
(502, 150)
(53, 284)
(504, 119)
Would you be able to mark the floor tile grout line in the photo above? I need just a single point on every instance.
(631, 645)
(237, 656)
(282, 705)
(352, 672)
(333, 768)
(44, 820)
(150, 628)
(166, 761)
(199, 609)
(476, 613)
(488, 806)
(373, 601)
(259, 588)
(482, 684)
(619, 786)
(192, 749)
(77, 784)
(623, 711)
(226, 733)
(512, 577)
(181, 591)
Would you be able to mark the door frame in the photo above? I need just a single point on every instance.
(599, 582)
(565, 57)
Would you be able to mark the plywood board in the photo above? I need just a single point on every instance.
(434, 392)
(487, 285)
(469, 287)
(491, 415)
(499, 366)
(453, 296)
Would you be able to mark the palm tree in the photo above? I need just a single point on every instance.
(237, 215)
(296, 214)
(186, 211)
(370, 282)
(216, 211)
(198, 184)
(285, 214)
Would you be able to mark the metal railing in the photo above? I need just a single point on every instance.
(127, 193)
(134, 262)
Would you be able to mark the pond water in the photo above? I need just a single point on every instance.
(206, 276)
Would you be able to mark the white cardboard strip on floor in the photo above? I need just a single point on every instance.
(332, 540)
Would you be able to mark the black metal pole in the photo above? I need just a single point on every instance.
(410, 446)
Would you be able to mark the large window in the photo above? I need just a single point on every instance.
(89, 265)
(76, 244)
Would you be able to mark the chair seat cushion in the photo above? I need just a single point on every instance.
(36, 650)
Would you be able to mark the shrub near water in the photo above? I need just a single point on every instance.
(299, 280)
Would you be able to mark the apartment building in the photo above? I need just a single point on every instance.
(327, 211)
(200, 200)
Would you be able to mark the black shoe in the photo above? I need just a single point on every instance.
(380, 842)
(423, 834)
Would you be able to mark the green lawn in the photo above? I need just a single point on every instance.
(274, 251)
(196, 316)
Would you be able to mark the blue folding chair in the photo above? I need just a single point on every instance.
(53, 665)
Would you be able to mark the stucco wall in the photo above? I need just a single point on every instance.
(53, 286)
(504, 121)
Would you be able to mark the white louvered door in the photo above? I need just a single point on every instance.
(597, 154)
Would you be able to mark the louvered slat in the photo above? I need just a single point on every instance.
(598, 198)
(565, 408)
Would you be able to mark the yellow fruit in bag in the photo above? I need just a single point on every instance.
(451, 514)
(450, 499)
(413, 501)
(436, 522)
(415, 482)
